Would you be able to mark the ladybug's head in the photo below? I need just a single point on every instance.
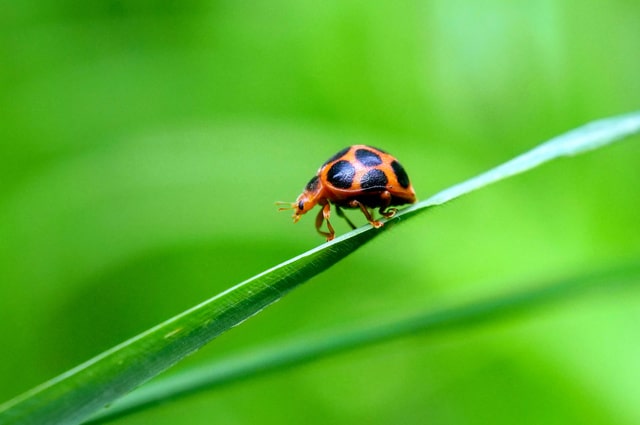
(307, 199)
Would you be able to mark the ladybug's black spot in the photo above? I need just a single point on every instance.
(341, 174)
(337, 155)
(368, 158)
(373, 179)
(313, 184)
(401, 175)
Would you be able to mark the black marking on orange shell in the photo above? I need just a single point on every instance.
(401, 174)
(368, 158)
(341, 174)
(374, 179)
(313, 184)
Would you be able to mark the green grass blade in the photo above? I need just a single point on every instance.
(302, 350)
(71, 397)
(588, 137)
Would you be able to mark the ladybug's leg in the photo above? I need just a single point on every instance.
(375, 223)
(324, 214)
(342, 214)
(386, 200)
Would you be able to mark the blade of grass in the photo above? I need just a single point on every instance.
(588, 137)
(71, 397)
(302, 350)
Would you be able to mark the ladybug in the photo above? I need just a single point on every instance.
(358, 176)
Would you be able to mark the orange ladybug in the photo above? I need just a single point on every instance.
(358, 176)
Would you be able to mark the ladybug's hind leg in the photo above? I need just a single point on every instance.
(341, 213)
(384, 209)
(357, 204)
(323, 215)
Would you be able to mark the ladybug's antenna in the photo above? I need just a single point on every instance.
(289, 205)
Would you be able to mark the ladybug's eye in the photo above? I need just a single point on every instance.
(300, 205)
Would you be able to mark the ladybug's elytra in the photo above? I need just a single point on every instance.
(358, 176)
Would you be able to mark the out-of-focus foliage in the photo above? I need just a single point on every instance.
(142, 146)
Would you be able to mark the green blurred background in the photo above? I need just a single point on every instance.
(142, 145)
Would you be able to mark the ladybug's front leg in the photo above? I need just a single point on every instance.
(357, 204)
(386, 200)
(324, 214)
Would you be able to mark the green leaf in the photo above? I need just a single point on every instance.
(307, 349)
(73, 396)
